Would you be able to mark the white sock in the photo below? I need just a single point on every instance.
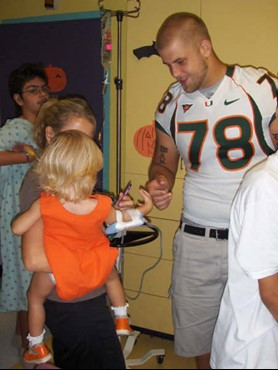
(35, 340)
(120, 311)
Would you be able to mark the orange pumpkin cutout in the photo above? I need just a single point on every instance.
(144, 140)
(57, 79)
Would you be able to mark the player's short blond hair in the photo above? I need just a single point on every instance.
(186, 26)
(69, 165)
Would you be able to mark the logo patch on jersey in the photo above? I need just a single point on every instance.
(228, 102)
(208, 103)
(186, 107)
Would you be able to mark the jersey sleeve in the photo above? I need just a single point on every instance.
(262, 91)
(262, 88)
(166, 109)
(257, 249)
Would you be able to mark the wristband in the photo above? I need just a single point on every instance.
(27, 155)
(29, 150)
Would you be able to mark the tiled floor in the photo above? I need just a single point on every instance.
(9, 356)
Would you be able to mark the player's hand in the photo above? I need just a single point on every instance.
(159, 191)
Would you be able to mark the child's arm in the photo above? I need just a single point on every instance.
(27, 219)
(147, 206)
(112, 217)
(132, 216)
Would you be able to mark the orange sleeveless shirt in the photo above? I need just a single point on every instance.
(78, 252)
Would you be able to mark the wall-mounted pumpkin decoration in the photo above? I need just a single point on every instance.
(144, 140)
(57, 79)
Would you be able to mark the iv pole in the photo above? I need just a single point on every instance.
(158, 353)
(119, 83)
(119, 87)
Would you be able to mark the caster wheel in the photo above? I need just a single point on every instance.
(160, 359)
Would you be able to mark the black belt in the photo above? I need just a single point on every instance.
(201, 231)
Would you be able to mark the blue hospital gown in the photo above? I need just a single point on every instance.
(15, 278)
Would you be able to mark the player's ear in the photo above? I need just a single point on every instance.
(205, 48)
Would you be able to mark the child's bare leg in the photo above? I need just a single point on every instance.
(41, 286)
(115, 292)
(115, 289)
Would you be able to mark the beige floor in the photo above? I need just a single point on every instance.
(171, 361)
(144, 343)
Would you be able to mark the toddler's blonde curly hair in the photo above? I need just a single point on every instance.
(69, 165)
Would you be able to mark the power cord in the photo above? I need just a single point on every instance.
(152, 267)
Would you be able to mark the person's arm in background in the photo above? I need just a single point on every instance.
(8, 158)
(19, 154)
(162, 171)
(269, 294)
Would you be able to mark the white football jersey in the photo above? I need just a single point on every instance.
(219, 138)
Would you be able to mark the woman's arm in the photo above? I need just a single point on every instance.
(27, 219)
(33, 254)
